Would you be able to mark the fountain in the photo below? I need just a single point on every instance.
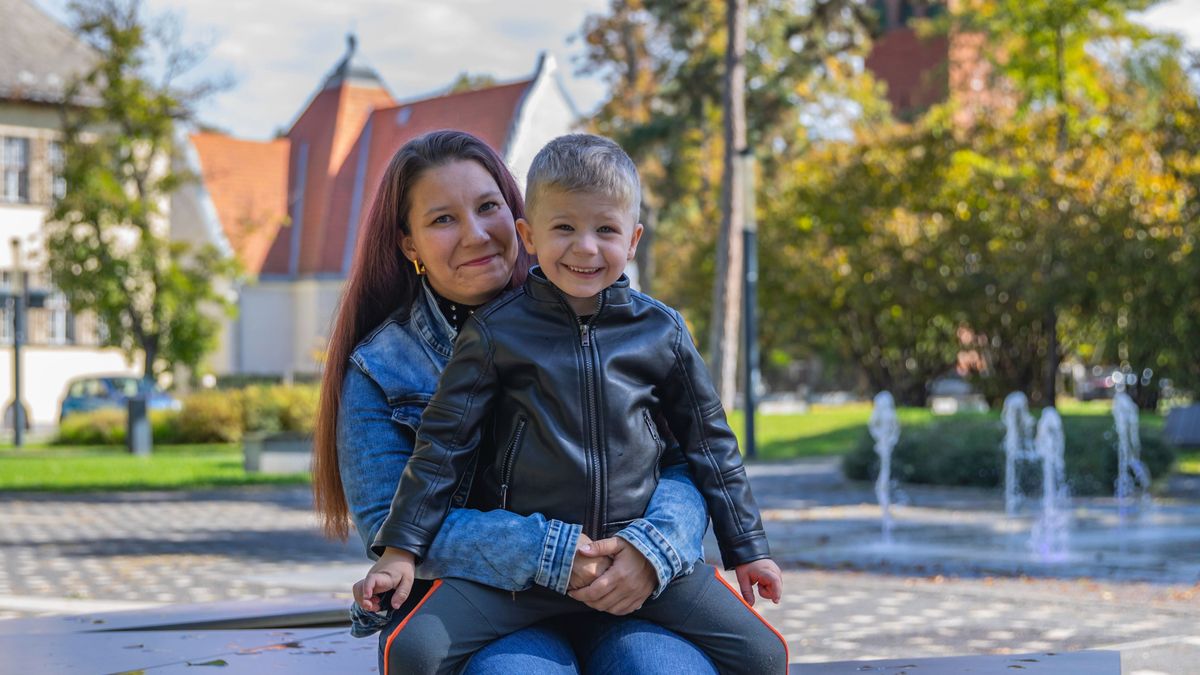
(1132, 475)
(885, 429)
(1049, 536)
(1018, 446)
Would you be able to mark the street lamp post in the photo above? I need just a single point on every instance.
(18, 306)
(749, 299)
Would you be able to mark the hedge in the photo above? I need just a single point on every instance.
(967, 450)
(216, 416)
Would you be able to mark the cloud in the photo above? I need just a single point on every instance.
(280, 52)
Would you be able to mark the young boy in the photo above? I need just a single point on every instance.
(566, 378)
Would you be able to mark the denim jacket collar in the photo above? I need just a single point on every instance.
(431, 324)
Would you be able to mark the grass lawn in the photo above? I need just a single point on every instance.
(834, 430)
(74, 469)
(823, 431)
(1189, 462)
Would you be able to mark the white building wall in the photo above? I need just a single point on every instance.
(266, 328)
(283, 326)
(545, 114)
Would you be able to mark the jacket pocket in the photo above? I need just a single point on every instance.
(659, 445)
(509, 461)
(408, 411)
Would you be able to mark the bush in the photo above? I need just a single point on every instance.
(219, 416)
(210, 417)
(164, 426)
(967, 450)
(280, 408)
(98, 427)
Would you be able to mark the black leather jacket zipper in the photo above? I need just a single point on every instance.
(510, 460)
(593, 416)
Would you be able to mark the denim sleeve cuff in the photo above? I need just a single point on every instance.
(651, 543)
(558, 555)
(364, 623)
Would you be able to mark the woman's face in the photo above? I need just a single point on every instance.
(462, 232)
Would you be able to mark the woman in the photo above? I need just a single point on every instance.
(441, 239)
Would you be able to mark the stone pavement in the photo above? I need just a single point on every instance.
(77, 553)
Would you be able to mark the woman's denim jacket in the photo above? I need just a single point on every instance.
(393, 374)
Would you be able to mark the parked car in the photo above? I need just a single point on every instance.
(93, 392)
(951, 394)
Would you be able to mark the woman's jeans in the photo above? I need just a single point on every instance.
(596, 645)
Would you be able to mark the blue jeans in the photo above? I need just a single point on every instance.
(606, 645)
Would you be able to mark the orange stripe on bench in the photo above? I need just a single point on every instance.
(766, 623)
(387, 650)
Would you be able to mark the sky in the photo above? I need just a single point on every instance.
(279, 52)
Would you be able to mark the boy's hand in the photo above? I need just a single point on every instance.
(586, 567)
(395, 570)
(766, 574)
(625, 585)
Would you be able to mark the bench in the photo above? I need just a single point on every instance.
(308, 634)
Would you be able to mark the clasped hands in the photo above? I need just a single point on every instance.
(612, 576)
(608, 575)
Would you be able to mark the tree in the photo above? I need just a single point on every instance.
(1047, 50)
(107, 241)
(468, 82)
(727, 277)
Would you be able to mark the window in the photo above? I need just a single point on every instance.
(58, 184)
(14, 163)
(58, 319)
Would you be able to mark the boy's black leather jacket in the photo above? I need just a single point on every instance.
(571, 408)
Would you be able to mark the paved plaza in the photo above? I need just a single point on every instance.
(958, 580)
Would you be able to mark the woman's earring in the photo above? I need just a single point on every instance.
(418, 267)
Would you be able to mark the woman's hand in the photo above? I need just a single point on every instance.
(625, 585)
(586, 568)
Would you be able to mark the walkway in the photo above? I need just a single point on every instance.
(77, 553)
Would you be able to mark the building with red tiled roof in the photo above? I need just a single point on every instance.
(290, 208)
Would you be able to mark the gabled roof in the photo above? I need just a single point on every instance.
(247, 182)
(321, 137)
(337, 150)
(488, 113)
(38, 55)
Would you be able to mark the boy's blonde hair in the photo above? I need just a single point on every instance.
(584, 163)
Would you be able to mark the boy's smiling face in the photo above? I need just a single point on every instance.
(582, 241)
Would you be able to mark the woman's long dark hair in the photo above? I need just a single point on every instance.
(382, 280)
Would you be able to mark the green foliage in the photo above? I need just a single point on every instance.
(468, 82)
(211, 417)
(280, 408)
(99, 427)
(1007, 242)
(220, 416)
(107, 241)
(966, 450)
